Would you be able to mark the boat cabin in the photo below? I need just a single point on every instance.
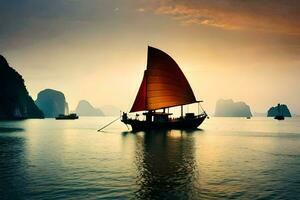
(189, 115)
(157, 116)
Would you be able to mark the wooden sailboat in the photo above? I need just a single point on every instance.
(164, 85)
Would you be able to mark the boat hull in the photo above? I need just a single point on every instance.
(179, 124)
(67, 117)
(279, 117)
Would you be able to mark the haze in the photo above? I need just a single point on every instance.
(97, 49)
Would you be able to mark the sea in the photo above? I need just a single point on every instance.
(226, 158)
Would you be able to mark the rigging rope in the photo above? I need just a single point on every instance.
(109, 124)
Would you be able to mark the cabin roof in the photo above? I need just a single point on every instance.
(157, 113)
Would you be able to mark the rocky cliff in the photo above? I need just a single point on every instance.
(229, 108)
(84, 108)
(280, 109)
(52, 103)
(15, 102)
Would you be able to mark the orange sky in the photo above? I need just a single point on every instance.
(96, 50)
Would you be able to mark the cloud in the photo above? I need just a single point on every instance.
(280, 16)
(141, 10)
(24, 22)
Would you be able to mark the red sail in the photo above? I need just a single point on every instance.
(140, 100)
(164, 84)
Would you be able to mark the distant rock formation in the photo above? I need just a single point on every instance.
(110, 110)
(280, 109)
(52, 103)
(229, 108)
(84, 108)
(15, 102)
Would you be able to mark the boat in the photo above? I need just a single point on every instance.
(71, 116)
(163, 86)
(280, 115)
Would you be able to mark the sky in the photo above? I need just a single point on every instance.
(97, 49)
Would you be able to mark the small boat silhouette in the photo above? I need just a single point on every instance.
(67, 117)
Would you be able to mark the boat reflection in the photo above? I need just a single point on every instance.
(166, 165)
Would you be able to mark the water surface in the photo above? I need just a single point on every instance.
(228, 158)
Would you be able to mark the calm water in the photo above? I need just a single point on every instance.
(228, 158)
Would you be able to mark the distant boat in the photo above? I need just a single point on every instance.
(163, 86)
(67, 117)
(280, 115)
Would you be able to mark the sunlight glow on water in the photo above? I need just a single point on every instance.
(228, 158)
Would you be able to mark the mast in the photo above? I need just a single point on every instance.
(181, 110)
